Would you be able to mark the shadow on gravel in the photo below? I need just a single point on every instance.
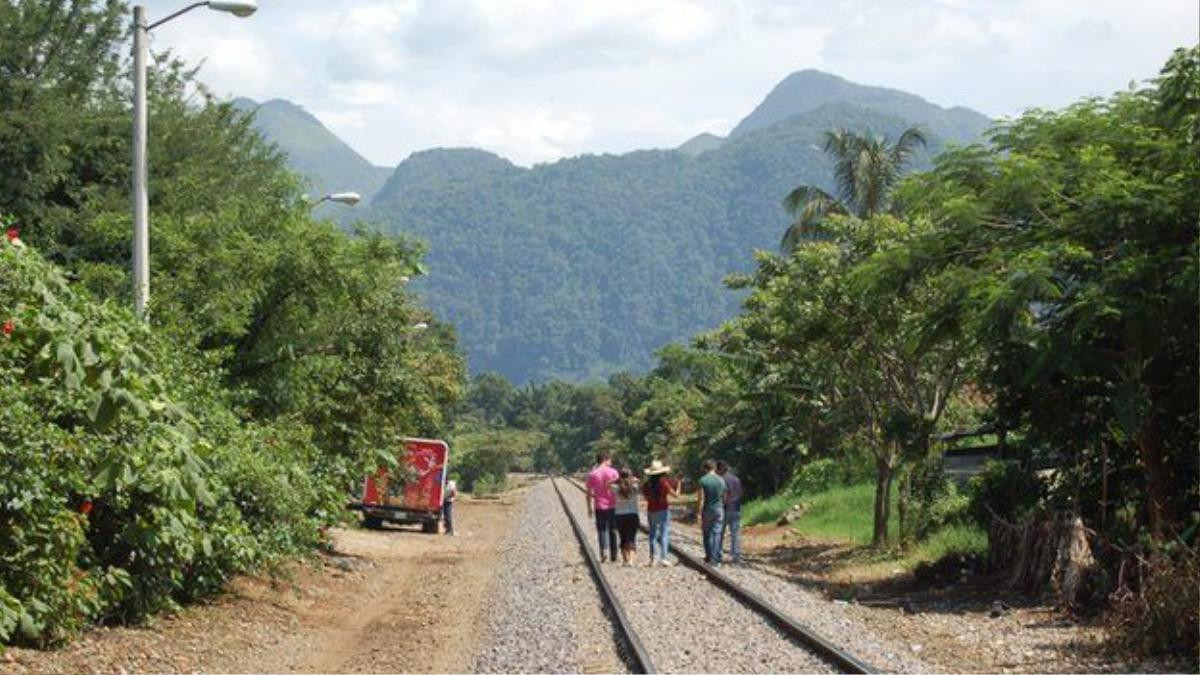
(953, 586)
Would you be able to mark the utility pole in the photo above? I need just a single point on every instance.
(141, 200)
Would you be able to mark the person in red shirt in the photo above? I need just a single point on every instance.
(658, 490)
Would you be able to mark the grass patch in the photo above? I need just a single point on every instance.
(845, 514)
(968, 540)
(842, 513)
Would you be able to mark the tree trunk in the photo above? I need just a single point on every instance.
(1160, 511)
(883, 489)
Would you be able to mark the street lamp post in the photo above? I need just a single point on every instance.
(141, 201)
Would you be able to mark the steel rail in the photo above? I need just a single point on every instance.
(846, 662)
(637, 652)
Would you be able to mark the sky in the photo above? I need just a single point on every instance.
(538, 80)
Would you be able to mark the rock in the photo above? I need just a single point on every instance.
(916, 649)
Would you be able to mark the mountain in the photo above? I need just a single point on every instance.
(585, 266)
(810, 89)
(313, 151)
(701, 143)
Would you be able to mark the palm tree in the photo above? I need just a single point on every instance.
(865, 168)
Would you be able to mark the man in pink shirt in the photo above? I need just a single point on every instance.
(601, 502)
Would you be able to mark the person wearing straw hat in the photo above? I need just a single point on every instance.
(658, 490)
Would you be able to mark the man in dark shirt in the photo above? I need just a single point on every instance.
(711, 512)
(733, 513)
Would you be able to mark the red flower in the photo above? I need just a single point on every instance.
(13, 233)
(8, 327)
(86, 507)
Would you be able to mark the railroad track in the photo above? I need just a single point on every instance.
(640, 659)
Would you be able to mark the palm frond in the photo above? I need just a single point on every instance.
(907, 144)
(810, 206)
(844, 146)
(798, 199)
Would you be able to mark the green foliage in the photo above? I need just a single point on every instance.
(928, 500)
(144, 464)
(1072, 243)
(826, 473)
(1006, 490)
(490, 484)
(126, 484)
(490, 454)
(961, 541)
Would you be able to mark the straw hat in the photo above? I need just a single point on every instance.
(657, 467)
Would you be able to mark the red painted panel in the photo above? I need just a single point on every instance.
(427, 460)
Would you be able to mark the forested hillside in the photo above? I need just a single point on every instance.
(584, 267)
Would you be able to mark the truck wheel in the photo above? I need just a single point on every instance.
(372, 523)
(429, 527)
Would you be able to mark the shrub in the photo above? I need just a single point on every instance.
(816, 476)
(490, 484)
(1003, 489)
(929, 501)
(1159, 616)
(127, 481)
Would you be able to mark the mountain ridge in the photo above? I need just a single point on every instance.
(807, 89)
(327, 162)
(584, 266)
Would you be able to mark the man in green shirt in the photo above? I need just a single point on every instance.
(710, 507)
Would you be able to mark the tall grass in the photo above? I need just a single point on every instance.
(843, 513)
(846, 514)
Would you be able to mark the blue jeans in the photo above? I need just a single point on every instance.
(733, 525)
(660, 533)
(710, 524)
(606, 529)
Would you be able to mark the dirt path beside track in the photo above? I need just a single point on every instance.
(388, 601)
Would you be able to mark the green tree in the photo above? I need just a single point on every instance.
(1074, 238)
(836, 348)
(866, 168)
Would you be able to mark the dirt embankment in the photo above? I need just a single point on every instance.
(388, 601)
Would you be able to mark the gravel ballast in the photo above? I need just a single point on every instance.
(689, 625)
(829, 619)
(545, 613)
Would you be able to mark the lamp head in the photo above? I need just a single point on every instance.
(347, 198)
(239, 8)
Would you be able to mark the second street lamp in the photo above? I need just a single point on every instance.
(141, 200)
(347, 198)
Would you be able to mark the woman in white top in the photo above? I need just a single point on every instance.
(626, 513)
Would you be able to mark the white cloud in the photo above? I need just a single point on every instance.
(540, 79)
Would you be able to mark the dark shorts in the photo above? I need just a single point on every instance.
(627, 527)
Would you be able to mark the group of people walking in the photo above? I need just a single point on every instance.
(613, 501)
